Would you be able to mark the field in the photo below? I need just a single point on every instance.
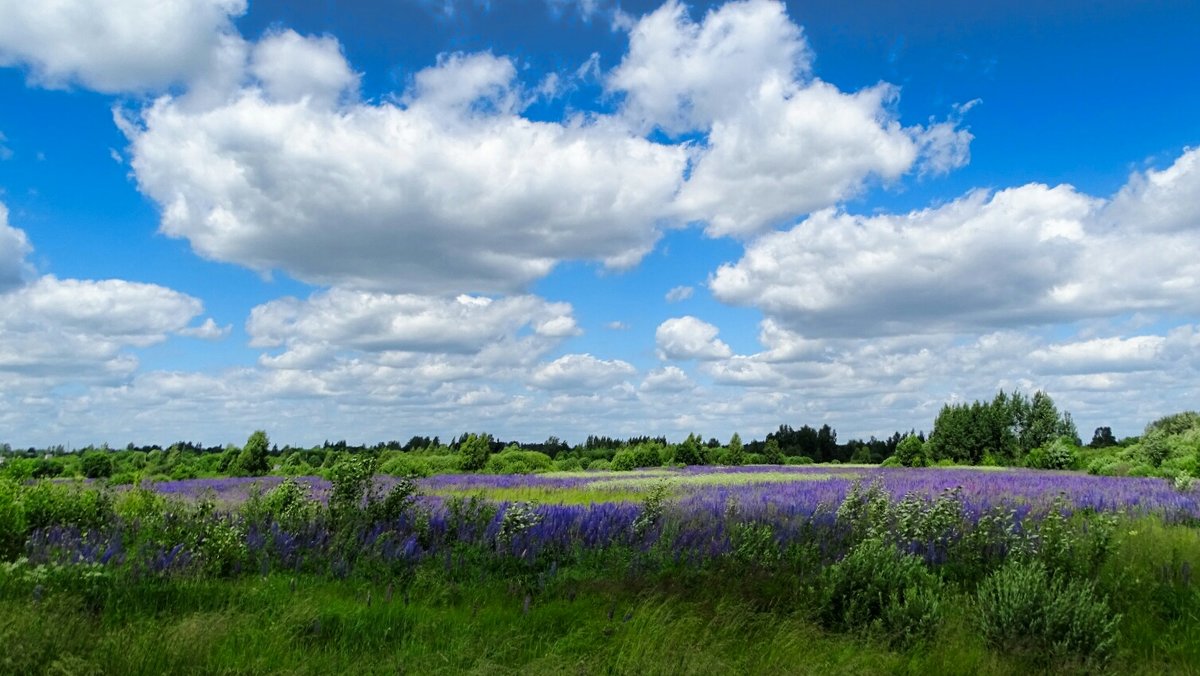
(794, 569)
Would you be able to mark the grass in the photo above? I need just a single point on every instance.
(264, 626)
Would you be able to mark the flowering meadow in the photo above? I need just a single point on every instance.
(1014, 569)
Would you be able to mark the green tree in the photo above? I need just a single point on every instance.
(772, 454)
(253, 461)
(737, 452)
(688, 452)
(474, 451)
(97, 465)
(911, 452)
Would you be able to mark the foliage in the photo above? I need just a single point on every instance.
(253, 461)
(1023, 608)
(97, 465)
(911, 452)
(878, 589)
(518, 462)
(474, 451)
(736, 453)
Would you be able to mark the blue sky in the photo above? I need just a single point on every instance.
(372, 220)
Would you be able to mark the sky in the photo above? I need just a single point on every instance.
(372, 220)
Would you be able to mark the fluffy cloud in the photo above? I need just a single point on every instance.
(451, 192)
(339, 319)
(14, 247)
(77, 330)
(69, 330)
(293, 68)
(667, 379)
(779, 142)
(1019, 257)
(581, 371)
(1010, 256)
(680, 76)
(689, 338)
(116, 45)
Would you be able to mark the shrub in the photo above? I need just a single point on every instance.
(599, 465)
(1021, 607)
(407, 465)
(878, 589)
(891, 461)
(12, 520)
(798, 460)
(97, 465)
(910, 452)
(518, 462)
(1058, 454)
(568, 464)
(623, 461)
(474, 451)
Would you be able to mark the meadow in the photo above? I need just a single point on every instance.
(794, 569)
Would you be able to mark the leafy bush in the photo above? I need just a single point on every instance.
(599, 465)
(518, 462)
(407, 465)
(97, 465)
(623, 461)
(1058, 454)
(1021, 607)
(798, 460)
(12, 520)
(910, 452)
(878, 589)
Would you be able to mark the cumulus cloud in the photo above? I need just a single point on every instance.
(441, 194)
(689, 338)
(667, 379)
(209, 330)
(581, 371)
(116, 45)
(779, 142)
(293, 68)
(14, 247)
(341, 319)
(78, 330)
(1023, 256)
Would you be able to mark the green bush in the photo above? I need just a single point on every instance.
(97, 465)
(12, 520)
(1021, 607)
(882, 591)
(518, 462)
(623, 461)
(910, 452)
(407, 465)
(798, 460)
(599, 465)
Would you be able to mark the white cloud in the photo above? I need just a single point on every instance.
(1030, 255)
(292, 68)
(1101, 355)
(1160, 201)
(680, 76)
(983, 260)
(680, 293)
(667, 379)
(14, 247)
(6, 153)
(581, 371)
(207, 331)
(115, 45)
(72, 330)
(689, 338)
(340, 319)
(779, 142)
(452, 192)
(616, 325)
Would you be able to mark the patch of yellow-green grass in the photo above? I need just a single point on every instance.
(717, 479)
(552, 495)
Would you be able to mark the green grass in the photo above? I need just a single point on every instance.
(263, 626)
